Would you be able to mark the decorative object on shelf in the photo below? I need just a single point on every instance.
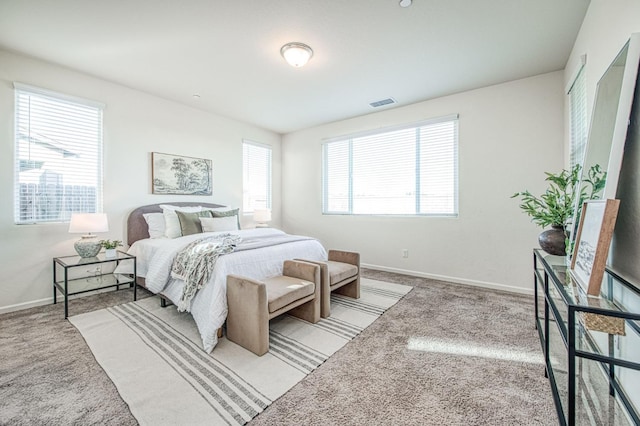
(592, 243)
(87, 224)
(177, 174)
(596, 322)
(553, 240)
(555, 207)
(110, 247)
(296, 54)
(603, 323)
(261, 217)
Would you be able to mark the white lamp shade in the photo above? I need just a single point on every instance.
(296, 54)
(84, 223)
(262, 215)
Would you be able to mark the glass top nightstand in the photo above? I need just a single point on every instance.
(81, 275)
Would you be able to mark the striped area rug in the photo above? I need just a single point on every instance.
(154, 357)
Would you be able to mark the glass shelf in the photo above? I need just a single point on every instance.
(75, 260)
(616, 295)
(81, 285)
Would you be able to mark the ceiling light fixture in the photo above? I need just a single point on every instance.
(405, 3)
(296, 54)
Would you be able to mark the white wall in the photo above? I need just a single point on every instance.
(509, 135)
(135, 124)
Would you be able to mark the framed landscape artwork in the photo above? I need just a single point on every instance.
(177, 174)
(592, 243)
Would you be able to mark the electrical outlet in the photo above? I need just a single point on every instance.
(405, 253)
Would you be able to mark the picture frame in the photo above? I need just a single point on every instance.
(593, 239)
(181, 175)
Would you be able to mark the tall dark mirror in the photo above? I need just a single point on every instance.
(608, 129)
(614, 143)
(625, 247)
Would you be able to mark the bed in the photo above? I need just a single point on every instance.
(260, 254)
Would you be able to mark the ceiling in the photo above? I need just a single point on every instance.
(228, 52)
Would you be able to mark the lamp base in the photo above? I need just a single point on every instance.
(88, 246)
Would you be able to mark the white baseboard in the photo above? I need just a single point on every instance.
(26, 305)
(49, 300)
(474, 283)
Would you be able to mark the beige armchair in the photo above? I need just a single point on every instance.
(251, 303)
(341, 273)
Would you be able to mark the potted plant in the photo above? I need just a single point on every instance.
(110, 247)
(555, 207)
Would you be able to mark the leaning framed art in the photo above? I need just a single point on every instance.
(177, 174)
(592, 243)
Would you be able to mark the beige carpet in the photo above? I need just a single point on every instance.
(166, 378)
(48, 375)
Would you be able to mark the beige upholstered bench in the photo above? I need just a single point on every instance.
(341, 273)
(253, 303)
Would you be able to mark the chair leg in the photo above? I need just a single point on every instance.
(309, 311)
(308, 271)
(325, 291)
(350, 290)
(247, 317)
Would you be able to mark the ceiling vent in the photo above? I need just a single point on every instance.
(382, 102)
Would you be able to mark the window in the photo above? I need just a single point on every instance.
(256, 176)
(58, 156)
(409, 170)
(578, 118)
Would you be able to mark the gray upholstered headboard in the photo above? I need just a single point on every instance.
(137, 228)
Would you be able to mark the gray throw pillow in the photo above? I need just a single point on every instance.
(190, 222)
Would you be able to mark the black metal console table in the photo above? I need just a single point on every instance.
(590, 345)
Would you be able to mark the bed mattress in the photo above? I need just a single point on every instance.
(255, 258)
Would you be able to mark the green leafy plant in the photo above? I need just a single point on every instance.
(110, 244)
(555, 206)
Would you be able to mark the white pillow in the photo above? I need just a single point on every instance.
(171, 222)
(155, 222)
(219, 224)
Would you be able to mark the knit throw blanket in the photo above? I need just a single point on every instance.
(194, 264)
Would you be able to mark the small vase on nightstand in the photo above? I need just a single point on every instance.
(110, 253)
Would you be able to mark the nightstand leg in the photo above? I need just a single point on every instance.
(135, 279)
(54, 282)
(66, 294)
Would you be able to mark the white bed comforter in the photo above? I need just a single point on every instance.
(209, 306)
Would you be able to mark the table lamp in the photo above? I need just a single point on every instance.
(87, 223)
(261, 217)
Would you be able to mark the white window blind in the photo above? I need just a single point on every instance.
(578, 118)
(411, 170)
(256, 159)
(58, 156)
